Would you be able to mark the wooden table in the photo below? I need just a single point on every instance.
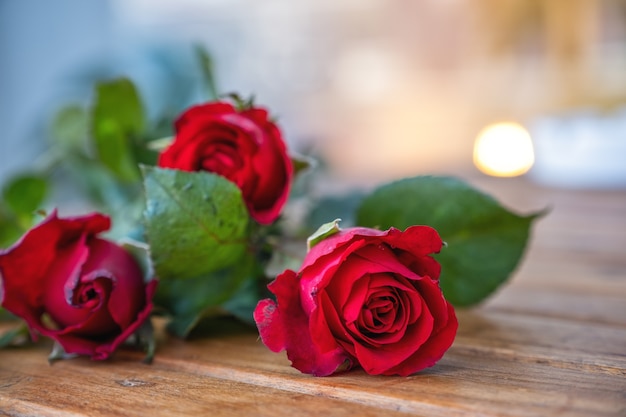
(551, 342)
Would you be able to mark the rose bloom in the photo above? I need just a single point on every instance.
(242, 146)
(362, 297)
(85, 292)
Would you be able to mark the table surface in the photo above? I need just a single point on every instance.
(551, 342)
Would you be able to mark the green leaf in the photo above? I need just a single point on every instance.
(485, 242)
(114, 152)
(196, 222)
(191, 300)
(207, 67)
(342, 206)
(16, 335)
(324, 231)
(10, 231)
(243, 302)
(70, 127)
(25, 193)
(5, 315)
(119, 100)
(117, 118)
(140, 251)
(146, 339)
(98, 183)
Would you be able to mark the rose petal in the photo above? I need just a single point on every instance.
(351, 300)
(63, 277)
(406, 306)
(418, 240)
(326, 325)
(270, 167)
(284, 325)
(188, 151)
(365, 259)
(437, 304)
(127, 295)
(24, 265)
(377, 360)
(383, 259)
(74, 343)
(431, 351)
(317, 276)
(90, 321)
(203, 111)
(258, 115)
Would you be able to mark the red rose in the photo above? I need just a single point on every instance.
(362, 297)
(243, 146)
(85, 292)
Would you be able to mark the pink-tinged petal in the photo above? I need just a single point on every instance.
(333, 243)
(315, 277)
(410, 240)
(281, 323)
(284, 326)
(269, 322)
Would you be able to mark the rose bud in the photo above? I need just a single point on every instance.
(365, 298)
(243, 146)
(85, 292)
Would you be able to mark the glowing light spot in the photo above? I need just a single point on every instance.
(504, 150)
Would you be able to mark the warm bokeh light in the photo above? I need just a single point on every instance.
(504, 150)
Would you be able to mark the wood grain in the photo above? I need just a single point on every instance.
(550, 342)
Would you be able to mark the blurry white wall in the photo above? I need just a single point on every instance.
(382, 89)
(41, 45)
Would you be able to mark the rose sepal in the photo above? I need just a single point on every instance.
(58, 353)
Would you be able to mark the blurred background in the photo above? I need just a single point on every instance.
(380, 89)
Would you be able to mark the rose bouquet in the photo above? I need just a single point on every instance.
(202, 228)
